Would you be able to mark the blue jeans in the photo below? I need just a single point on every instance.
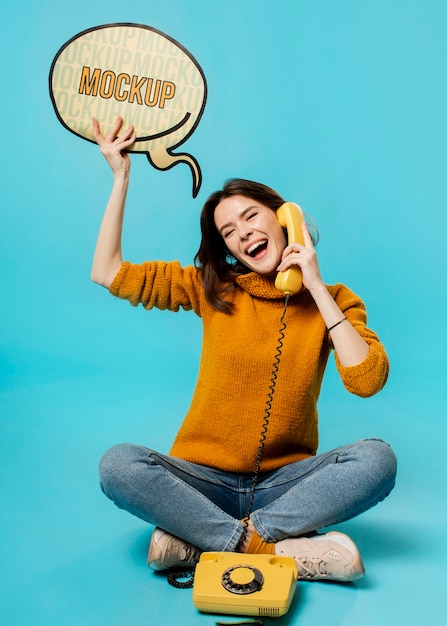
(205, 506)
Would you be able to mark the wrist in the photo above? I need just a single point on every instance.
(318, 289)
(121, 176)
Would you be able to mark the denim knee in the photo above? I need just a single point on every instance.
(383, 462)
(114, 466)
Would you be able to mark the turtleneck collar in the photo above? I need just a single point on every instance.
(260, 285)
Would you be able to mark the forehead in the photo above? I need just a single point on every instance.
(233, 207)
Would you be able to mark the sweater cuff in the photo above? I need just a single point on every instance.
(116, 282)
(369, 376)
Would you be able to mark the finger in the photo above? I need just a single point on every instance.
(291, 248)
(126, 144)
(128, 134)
(96, 131)
(306, 235)
(124, 141)
(113, 132)
(290, 260)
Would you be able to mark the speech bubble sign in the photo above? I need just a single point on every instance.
(139, 73)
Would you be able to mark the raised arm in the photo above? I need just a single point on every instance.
(108, 257)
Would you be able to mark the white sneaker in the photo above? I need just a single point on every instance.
(167, 551)
(332, 556)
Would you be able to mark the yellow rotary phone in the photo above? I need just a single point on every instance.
(244, 584)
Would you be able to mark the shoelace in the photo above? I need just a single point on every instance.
(312, 568)
(191, 553)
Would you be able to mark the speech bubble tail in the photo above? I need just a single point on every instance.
(168, 160)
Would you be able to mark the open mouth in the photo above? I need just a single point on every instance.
(257, 248)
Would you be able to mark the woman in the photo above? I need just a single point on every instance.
(198, 496)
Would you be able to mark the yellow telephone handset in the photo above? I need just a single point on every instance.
(290, 216)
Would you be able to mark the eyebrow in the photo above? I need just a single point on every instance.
(242, 214)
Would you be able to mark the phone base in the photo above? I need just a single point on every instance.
(244, 584)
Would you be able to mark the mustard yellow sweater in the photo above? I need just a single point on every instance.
(222, 426)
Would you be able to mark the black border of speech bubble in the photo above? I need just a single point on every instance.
(196, 187)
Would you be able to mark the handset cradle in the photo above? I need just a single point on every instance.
(291, 217)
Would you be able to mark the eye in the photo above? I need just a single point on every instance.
(251, 215)
(228, 233)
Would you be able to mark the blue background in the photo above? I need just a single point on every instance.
(340, 106)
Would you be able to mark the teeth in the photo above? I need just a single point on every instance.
(255, 246)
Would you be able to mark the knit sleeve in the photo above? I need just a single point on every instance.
(370, 376)
(159, 284)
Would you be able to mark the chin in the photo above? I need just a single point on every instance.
(264, 271)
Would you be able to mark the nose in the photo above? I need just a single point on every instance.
(245, 232)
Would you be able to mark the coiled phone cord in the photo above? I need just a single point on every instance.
(264, 428)
(174, 577)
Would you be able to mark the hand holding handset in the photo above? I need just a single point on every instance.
(291, 216)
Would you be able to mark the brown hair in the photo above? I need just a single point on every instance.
(213, 258)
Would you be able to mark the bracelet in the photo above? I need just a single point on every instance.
(336, 324)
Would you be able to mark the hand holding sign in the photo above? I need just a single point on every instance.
(139, 74)
(115, 145)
